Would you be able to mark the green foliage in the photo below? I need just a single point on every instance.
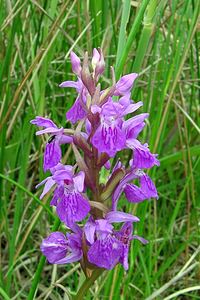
(160, 40)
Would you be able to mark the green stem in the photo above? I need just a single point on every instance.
(87, 284)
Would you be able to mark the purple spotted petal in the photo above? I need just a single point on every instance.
(55, 247)
(124, 235)
(105, 253)
(142, 157)
(124, 257)
(134, 194)
(52, 155)
(148, 187)
(73, 207)
(125, 231)
(109, 140)
(111, 109)
(60, 167)
(58, 194)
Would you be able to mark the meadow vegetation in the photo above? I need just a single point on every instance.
(160, 40)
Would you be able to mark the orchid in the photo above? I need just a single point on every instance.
(98, 234)
(52, 155)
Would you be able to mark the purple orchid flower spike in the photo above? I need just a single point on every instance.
(106, 249)
(71, 205)
(53, 154)
(108, 124)
(62, 249)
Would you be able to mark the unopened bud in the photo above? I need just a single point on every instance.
(95, 58)
(76, 63)
(100, 67)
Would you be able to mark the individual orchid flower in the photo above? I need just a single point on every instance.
(137, 194)
(132, 192)
(105, 249)
(52, 154)
(110, 136)
(78, 110)
(71, 204)
(62, 249)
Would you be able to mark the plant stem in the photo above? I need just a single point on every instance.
(87, 284)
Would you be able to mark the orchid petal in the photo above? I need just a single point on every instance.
(79, 181)
(118, 217)
(43, 122)
(51, 130)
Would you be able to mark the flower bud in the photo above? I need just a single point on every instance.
(76, 63)
(98, 63)
(95, 58)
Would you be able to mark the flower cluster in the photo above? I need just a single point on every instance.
(103, 124)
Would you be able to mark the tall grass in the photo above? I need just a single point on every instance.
(160, 40)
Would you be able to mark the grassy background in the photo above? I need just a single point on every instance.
(158, 39)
